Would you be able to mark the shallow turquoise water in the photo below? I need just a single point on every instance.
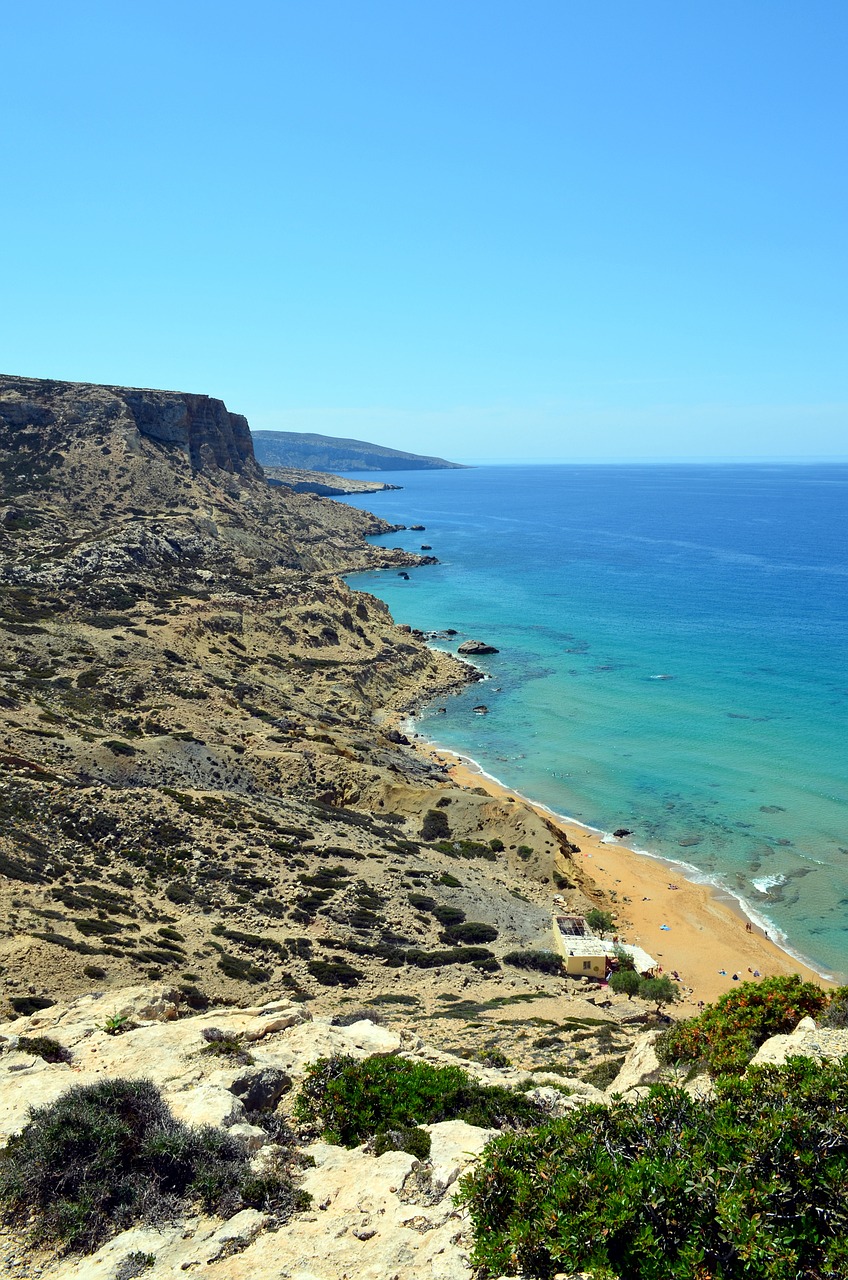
(594, 582)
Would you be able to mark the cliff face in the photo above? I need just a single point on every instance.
(200, 426)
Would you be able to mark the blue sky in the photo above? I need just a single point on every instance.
(544, 229)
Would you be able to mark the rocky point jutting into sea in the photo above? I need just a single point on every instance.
(213, 833)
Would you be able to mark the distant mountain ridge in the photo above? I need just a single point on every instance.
(311, 452)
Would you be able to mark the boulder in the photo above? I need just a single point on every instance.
(281, 1021)
(250, 1136)
(806, 1041)
(260, 1088)
(157, 1006)
(454, 1146)
(206, 1104)
(472, 647)
(640, 1068)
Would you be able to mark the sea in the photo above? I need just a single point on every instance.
(672, 659)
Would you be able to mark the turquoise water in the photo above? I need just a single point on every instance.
(673, 659)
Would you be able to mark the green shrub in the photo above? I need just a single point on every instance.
(435, 825)
(497, 845)
(44, 1047)
(421, 902)
(728, 1033)
(334, 973)
(416, 1142)
(540, 961)
(448, 916)
(135, 1264)
(226, 1044)
(449, 881)
(836, 1015)
(472, 931)
(480, 957)
(104, 1156)
(179, 892)
(600, 921)
(352, 1100)
(748, 1185)
(625, 982)
(241, 970)
(658, 991)
(603, 1073)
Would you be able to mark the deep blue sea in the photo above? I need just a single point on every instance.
(673, 659)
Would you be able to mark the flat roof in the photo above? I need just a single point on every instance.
(601, 947)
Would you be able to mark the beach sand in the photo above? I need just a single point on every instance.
(706, 931)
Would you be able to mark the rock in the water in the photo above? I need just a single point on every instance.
(476, 647)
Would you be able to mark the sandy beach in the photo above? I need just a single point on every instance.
(692, 930)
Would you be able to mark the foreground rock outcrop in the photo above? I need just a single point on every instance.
(369, 1217)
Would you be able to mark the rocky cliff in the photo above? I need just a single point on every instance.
(373, 1217)
(202, 769)
(39, 411)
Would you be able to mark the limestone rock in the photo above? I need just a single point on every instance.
(250, 1136)
(806, 1041)
(260, 1088)
(476, 647)
(454, 1146)
(206, 1104)
(159, 1006)
(553, 1101)
(640, 1068)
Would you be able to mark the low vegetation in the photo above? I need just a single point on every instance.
(349, 1101)
(748, 1185)
(727, 1034)
(107, 1155)
(539, 961)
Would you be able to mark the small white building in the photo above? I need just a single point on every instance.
(587, 956)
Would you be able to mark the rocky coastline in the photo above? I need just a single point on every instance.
(217, 839)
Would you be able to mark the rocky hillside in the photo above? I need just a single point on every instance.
(306, 450)
(202, 775)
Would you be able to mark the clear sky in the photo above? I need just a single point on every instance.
(480, 228)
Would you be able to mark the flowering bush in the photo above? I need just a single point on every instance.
(728, 1033)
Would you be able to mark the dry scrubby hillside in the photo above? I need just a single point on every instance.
(201, 781)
